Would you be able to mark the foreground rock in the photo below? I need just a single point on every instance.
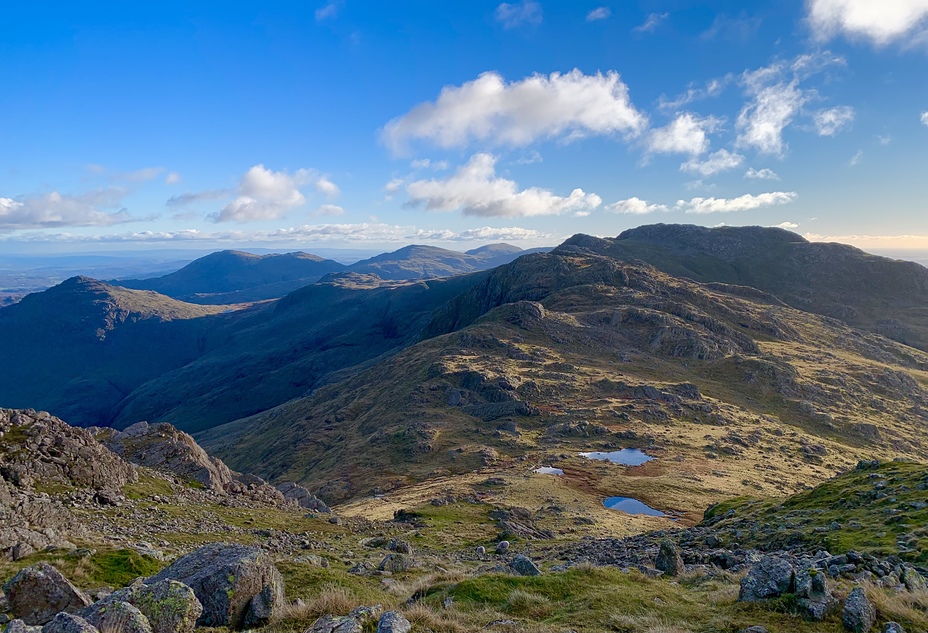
(37, 594)
(393, 622)
(858, 615)
(668, 559)
(237, 585)
(69, 623)
(117, 616)
(168, 605)
(770, 578)
(358, 621)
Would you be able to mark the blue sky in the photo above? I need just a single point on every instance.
(370, 124)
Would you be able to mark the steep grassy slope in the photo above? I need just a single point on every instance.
(882, 295)
(77, 349)
(560, 353)
(234, 277)
(285, 349)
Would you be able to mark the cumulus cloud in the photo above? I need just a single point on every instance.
(715, 163)
(264, 195)
(924, 118)
(776, 98)
(362, 233)
(475, 189)
(881, 22)
(488, 109)
(102, 207)
(519, 13)
(761, 174)
(651, 23)
(599, 13)
(426, 163)
(634, 206)
(829, 122)
(330, 209)
(789, 226)
(746, 202)
(325, 186)
(686, 134)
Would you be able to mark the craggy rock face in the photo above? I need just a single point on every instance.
(226, 578)
(163, 447)
(40, 447)
(38, 593)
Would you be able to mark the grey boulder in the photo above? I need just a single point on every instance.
(37, 594)
(169, 606)
(858, 615)
(524, 566)
(117, 616)
(770, 578)
(226, 578)
(393, 622)
(668, 559)
(69, 623)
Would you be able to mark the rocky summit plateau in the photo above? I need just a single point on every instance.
(677, 430)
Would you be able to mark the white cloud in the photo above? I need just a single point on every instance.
(328, 11)
(715, 163)
(889, 242)
(488, 109)
(739, 29)
(746, 202)
(264, 195)
(761, 174)
(531, 159)
(425, 163)
(652, 22)
(886, 140)
(829, 122)
(776, 98)
(95, 208)
(880, 21)
(394, 185)
(476, 190)
(517, 14)
(686, 134)
(925, 118)
(599, 13)
(634, 206)
(325, 186)
(761, 122)
(786, 225)
(185, 199)
(713, 88)
(172, 178)
(362, 233)
(856, 158)
(330, 209)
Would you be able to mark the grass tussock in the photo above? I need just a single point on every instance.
(909, 609)
(331, 600)
(529, 605)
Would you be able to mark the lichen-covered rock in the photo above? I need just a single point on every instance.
(858, 615)
(358, 621)
(38, 593)
(225, 578)
(393, 622)
(117, 616)
(893, 627)
(261, 609)
(668, 559)
(18, 626)
(169, 606)
(395, 563)
(524, 566)
(769, 578)
(69, 623)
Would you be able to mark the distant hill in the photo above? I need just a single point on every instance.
(421, 262)
(876, 293)
(228, 277)
(80, 347)
(235, 277)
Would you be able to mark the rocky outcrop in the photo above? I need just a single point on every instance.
(302, 497)
(37, 446)
(164, 448)
(226, 578)
(37, 594)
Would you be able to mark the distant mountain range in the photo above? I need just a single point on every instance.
(229, 277)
